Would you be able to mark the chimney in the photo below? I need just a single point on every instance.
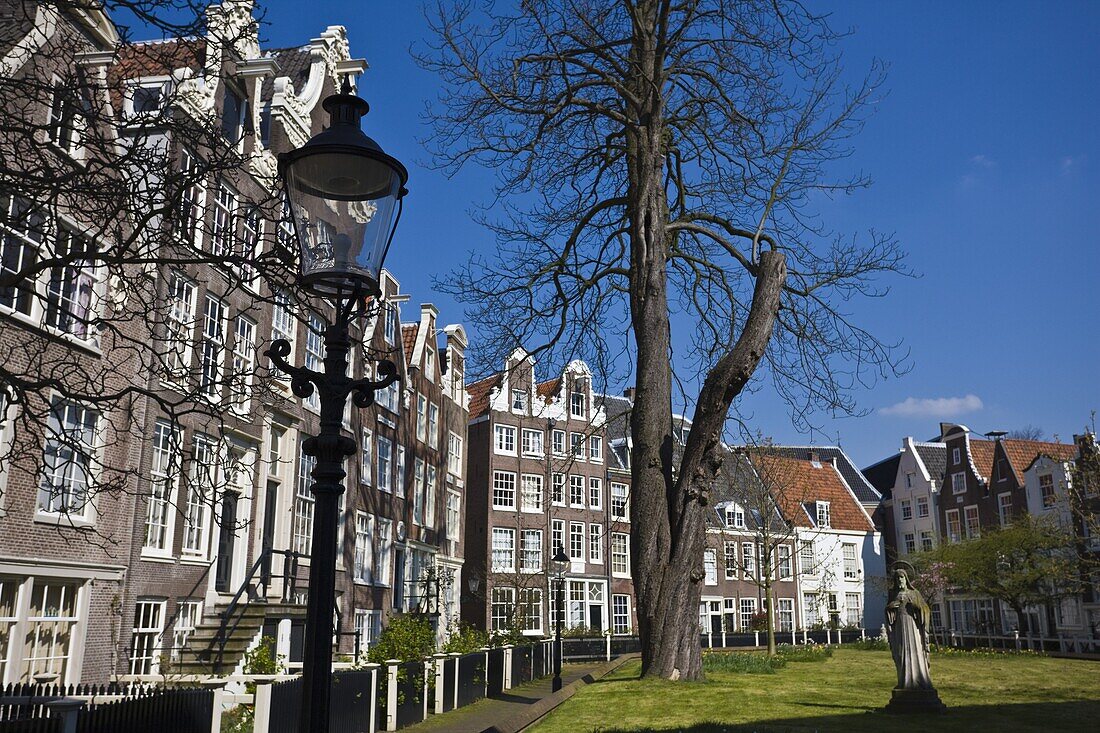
(815, 457)
(629, 393)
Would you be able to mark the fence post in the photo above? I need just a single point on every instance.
(261, 704)
(455, 656)
(373, 668)
(756, 638)
(805, 637)
(723, 636)
(1016, 636)
(710, 640)
(507, 684)
(68, 709)
(794, 639)
(828, 636)
(607, 645)
(391, 693)
(862, 634)
(485, 683)
(439, 662)
(217, 684)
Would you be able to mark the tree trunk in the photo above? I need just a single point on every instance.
(769, 604)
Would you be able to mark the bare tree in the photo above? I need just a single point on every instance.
(659, 157)
(1027, 432)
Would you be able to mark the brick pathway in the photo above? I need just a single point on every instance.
(486, 713)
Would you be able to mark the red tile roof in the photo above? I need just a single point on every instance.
(549, 389)
(981, 452)
(1022, 453)
(408, 338)
(479, 394)
(796, 482)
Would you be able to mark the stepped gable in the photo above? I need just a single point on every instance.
(808, 482)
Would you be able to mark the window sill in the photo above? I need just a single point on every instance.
(194, 560)
(154, 556)
(68, 520)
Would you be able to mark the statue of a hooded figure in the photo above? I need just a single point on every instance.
(907, 621)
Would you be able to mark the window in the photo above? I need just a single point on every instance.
(364, 548)
(531, 550)
(282, 324)
(620, 554)
(244, 363)
(1046, 490)
(530, 609)
(557, 496)
(558, 438)
(748, 559)
(72, 290)
(504, 550)
(385, 464)
(179, 322)
(429, 505)
(418, 492)
(956, 456)
(22, 236)
(422, 417)
(710, 567)
(503, 604)
(145, 642)
(221, 227)
(68, 122)
(505, 440)
(188, 615)
(595, 543)
(70, 455)
(163, 483)
(922, 506)
(214, 327)
(811, 609)
(576, 445)
(531, 493)
(822, 514)
(504, 490)
(748, 610)
(399, 471)
(908, 480)
(454, 454)
(619, 494)
(366, 457)
(192, 198)
(926, 540)
(433, 426)
(385, 550)
(785, 568)
(595, 493)
(785, 607)
(958, 482)
(853, 609)
(302, 539)
(910, 543)
(973, 526)
(205, 458)
(595, 449)
(532, 442)
(576, 491)
(576, 541)
(388, 398)
(557, 536)
(620, 614)
(49, 628)
(906, 509)
(519, 400)
(577, 400)
(392, 319)
(1004, 508)
(806, 561)
(315, 354)
(734, 517)
(731, 560)
(954, 531)
(368, 624)
(249, 244)
(234, 107)
(851, 561)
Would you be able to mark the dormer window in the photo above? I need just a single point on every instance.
(147, 97)
(519, 400)
(822, 514)
(956, 456)
(735, 517)
(577, 401)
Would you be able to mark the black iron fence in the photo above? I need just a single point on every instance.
(26, 708)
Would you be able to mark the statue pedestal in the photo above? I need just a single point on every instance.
(916, 702)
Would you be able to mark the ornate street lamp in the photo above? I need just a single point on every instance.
(559, 563)
(345, 197)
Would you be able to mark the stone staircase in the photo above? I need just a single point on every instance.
(212, 651)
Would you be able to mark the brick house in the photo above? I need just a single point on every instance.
(214, 508)
(540, 477)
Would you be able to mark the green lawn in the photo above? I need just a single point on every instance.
(844, 693)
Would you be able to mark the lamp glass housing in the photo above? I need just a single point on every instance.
(559, 563)
(345, 195)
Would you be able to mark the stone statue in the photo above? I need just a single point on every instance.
(907, 620)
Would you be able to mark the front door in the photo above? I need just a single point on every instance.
(223, 577)
(271, 503)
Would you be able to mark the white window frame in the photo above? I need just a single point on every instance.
(504, 441)
(620, 555)
(531, 493)
(504, 490)
(595, 543)
(148, 631)
(503, 548)
(385, 464)
(531, 443)
(70, 464)
(164, 478)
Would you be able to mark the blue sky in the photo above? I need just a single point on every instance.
(986, 164)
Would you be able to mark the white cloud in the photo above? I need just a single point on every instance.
(933, 406)
(982, 161)
(1067, 164)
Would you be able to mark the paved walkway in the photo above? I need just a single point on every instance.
(486, 713)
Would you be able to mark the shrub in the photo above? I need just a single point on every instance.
(463, 639)
(512, 635)
(742, 662)
(407, 637)
(759, 621)
(869, 644)
(807, 653)
(580, 632)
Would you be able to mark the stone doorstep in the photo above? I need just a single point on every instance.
(535, 711)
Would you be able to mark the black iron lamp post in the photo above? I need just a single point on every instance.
(345, 197)
(559, 563)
